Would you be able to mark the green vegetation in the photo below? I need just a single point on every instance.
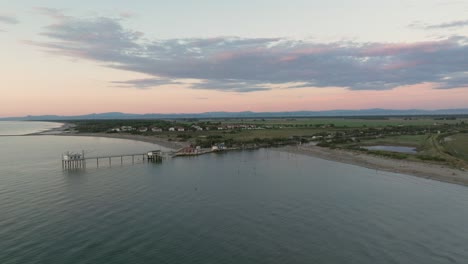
(457, 145)
(404, 140)
(430, 158)
(351, 122)
(437, 139)
(388, 154)
(103, 126)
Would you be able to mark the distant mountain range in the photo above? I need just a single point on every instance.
(248, 114)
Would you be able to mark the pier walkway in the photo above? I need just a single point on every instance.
(78, 160)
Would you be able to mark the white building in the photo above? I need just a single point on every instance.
(197, 128)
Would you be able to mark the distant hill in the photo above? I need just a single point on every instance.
(248, 114)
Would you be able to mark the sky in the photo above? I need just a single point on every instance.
(80, 57)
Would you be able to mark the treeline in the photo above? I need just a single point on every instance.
(244, 143)
(102, 126)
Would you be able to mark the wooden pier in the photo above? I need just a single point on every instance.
(78, 160)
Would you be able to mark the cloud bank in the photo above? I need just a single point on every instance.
(256, 64)
(8, 20)
(448, 25)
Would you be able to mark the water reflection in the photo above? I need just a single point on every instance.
(400, 149)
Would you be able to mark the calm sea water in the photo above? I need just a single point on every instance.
(262, 206)
(23, 128)
(401, 149)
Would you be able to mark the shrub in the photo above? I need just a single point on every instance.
(430, 158)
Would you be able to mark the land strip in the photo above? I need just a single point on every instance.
(439, 142)
(420, 169)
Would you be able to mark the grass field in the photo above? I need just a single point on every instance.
(405, 140)
(457, 145)
(451, 150)
(344, 122)
(247, 135)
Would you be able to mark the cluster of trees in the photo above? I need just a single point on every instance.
(102, 126)
(246, 143)
(356, 135)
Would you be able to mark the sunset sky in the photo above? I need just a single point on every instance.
(79, 57)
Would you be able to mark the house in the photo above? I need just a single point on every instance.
(197, 128)
(171, 129)
(126, 128)
(187, 150)
(72, 156)
(218, 147)
(143, 129)
(117, 129)
(180, 129)
(156, 129)
(191, 150)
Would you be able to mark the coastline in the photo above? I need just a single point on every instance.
(60, 129)
(63, 129)
(173, 145)
(419, 169)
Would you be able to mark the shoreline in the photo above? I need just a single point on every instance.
(63, 129)
(173, 145)
(431, 171)
(426, 170)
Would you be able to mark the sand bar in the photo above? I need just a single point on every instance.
(419, 169)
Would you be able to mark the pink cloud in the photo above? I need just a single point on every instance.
(401, 65)
(128, 14)
(399, 48)
(288, 58)
(229, 55)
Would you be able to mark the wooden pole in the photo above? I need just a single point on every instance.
(80, 162)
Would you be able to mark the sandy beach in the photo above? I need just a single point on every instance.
(174, 145)
(419, 169)
(64, 129)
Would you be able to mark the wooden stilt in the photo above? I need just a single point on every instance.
(74, 161)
